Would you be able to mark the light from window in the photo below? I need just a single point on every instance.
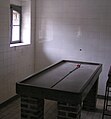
(15, 24)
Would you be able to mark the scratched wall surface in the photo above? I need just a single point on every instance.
(76, 30)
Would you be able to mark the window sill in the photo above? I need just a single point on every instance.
(19, 44)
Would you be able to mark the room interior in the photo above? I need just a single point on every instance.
(57, 29)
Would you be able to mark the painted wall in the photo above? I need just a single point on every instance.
(76, 30)
(15, 62)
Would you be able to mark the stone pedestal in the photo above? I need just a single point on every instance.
(90, 101)
(68, 111)
(32, 108)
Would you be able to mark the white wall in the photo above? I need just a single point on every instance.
(16, 2)
(76, 30)
(15, 62)
(63, 27)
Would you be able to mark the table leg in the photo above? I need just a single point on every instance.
(68, 111)
(90, 101)
(32, 108)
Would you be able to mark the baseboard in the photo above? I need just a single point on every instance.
(100, 96)
(9, 101)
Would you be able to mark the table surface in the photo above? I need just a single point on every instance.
(64, 81)
(64, 76)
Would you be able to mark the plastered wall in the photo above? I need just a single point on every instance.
(65, 29)
(15, 62)
(76, 30)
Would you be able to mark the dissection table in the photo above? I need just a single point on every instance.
(73, 84)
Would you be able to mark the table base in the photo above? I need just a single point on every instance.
(68, 111)
(32, 108)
